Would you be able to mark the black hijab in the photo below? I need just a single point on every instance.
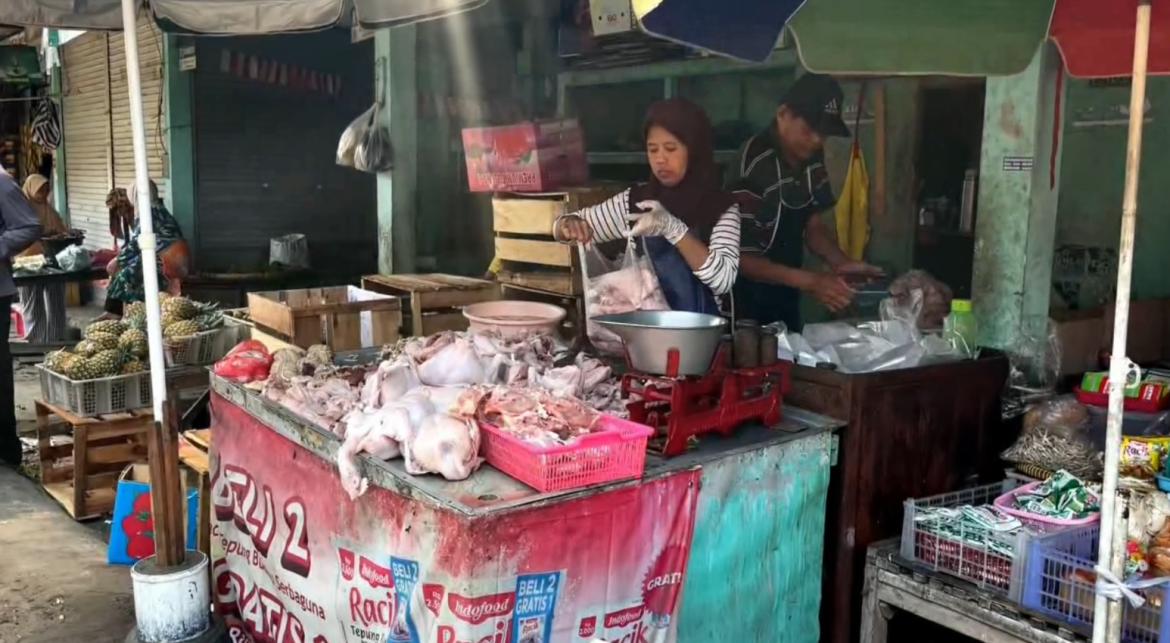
(698, 200)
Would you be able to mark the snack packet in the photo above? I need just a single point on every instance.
(1142, 457)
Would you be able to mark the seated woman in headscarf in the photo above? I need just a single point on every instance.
(42, 305)
(126, 269)
(689, 224)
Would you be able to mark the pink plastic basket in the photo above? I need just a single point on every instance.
(1041, 523)
(616, 452)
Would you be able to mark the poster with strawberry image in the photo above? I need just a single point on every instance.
(132, 523)
(139, 528)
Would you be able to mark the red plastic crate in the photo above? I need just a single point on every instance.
(616, 452)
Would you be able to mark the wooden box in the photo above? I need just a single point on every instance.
(101, 448)
(342, 317)
(435, 299)
(911, 433)
(529, 256)
(193, 454)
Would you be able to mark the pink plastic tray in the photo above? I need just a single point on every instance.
(616, 452)
(1042, 523)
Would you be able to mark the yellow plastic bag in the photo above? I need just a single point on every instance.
(852, 212)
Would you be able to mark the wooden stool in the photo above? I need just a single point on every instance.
(102, 447)
(435, 299)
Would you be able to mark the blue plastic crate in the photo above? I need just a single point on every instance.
(1058, 584)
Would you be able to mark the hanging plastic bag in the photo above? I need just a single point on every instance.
(373, 153)
(624, 284)
(353, 135)
(290, 251)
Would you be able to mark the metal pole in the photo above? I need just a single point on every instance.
(146, 238)
(1107, 612)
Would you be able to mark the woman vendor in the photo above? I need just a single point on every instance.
(42, 305)
(126, 269)
(689, 225)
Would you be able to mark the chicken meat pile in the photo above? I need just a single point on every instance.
(622, 291)
(424, 400)
(531, 414)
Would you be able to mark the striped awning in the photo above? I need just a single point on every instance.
(230, 17)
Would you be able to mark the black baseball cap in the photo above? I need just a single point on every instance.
(818, 99)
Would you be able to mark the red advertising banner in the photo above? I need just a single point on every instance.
(296, 561)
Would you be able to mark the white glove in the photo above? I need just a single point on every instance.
(656, 223)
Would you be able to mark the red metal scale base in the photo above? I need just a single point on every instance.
(682, 408)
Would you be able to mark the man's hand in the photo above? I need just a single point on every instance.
(832, 291)
(658, 222)
(858, 268)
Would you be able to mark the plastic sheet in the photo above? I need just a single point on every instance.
(624, 284)
(73, 258)
(893, 342)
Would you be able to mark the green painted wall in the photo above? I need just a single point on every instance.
(1092, 178)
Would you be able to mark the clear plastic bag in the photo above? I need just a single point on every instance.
(290, 251)
(374, 153)
(73, 258)
(624, 284)
(1035, 358)
(353, 135)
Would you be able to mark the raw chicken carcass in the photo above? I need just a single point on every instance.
(530, 414)
(389, 382)
(622, 291)
(453, 365)
(443, 444)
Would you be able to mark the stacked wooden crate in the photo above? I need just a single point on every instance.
(532, 264)
(435, 300)
(342, 317)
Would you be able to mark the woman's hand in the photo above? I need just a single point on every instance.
(832, 291)
(112, 267)
(658, 222)
(573, 229)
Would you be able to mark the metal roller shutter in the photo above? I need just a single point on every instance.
(266, 153)
(88, 171)
(150, 58)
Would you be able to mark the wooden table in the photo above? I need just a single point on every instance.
(893, 584)
(58, 276)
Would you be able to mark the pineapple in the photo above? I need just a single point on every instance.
(106, 363)
(56, 360)
(135, 314)
(132, 366)
(180, 329)
(103, 341)
(77, 369)
(85, 348)
(180, 308)
(114, 328)
(134, 342)
(209, 321)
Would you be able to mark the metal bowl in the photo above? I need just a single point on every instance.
(650, 336)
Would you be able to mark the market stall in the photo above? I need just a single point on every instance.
(490, 558)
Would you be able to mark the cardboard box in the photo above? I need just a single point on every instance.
(1084, 334)
(537, 156)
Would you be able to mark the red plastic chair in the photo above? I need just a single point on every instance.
(17, 320)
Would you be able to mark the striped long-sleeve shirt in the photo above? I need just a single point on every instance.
(609, 222)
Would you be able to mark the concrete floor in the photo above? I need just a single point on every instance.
(55, 585)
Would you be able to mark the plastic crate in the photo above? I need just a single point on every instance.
(1059, 583)
(91, 398)
(1040, 524)
(982, 566)
(207, 347)
(616, 452)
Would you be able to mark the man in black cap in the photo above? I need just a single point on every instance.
(781, 185)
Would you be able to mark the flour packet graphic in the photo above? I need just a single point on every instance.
(536, 602)
(405, 573)
(366, 603)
